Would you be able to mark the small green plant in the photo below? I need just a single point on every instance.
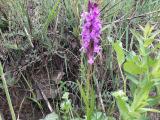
(66, 107)
(142, 69)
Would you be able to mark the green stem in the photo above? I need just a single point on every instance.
(88, 90)
(148, 74)
(8, 97)
(124, 80)
(88, 82)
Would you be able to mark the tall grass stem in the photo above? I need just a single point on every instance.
(8, 97)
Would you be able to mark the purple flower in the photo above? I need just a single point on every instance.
(91, 30)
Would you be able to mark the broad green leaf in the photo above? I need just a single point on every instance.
(121, 102)
(119, 51)
(133, 68)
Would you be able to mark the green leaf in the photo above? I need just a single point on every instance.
(150, 39)
(122, 104)
(101, 116)
(149, 110)
(151, 61)
(119, 51)
(133, 79)
(140, 39)
(138, 36)
(65, 95)
(10, 79)
(141, 95)
(97, 116)
(148, 42)
(51, 116)
(152, 101)
(147, 30)
(1, 69)
(156, 74)
(65, 106)
(134, 82)
(156, 69)
(133, 68)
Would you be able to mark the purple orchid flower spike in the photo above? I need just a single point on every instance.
(91, 31)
